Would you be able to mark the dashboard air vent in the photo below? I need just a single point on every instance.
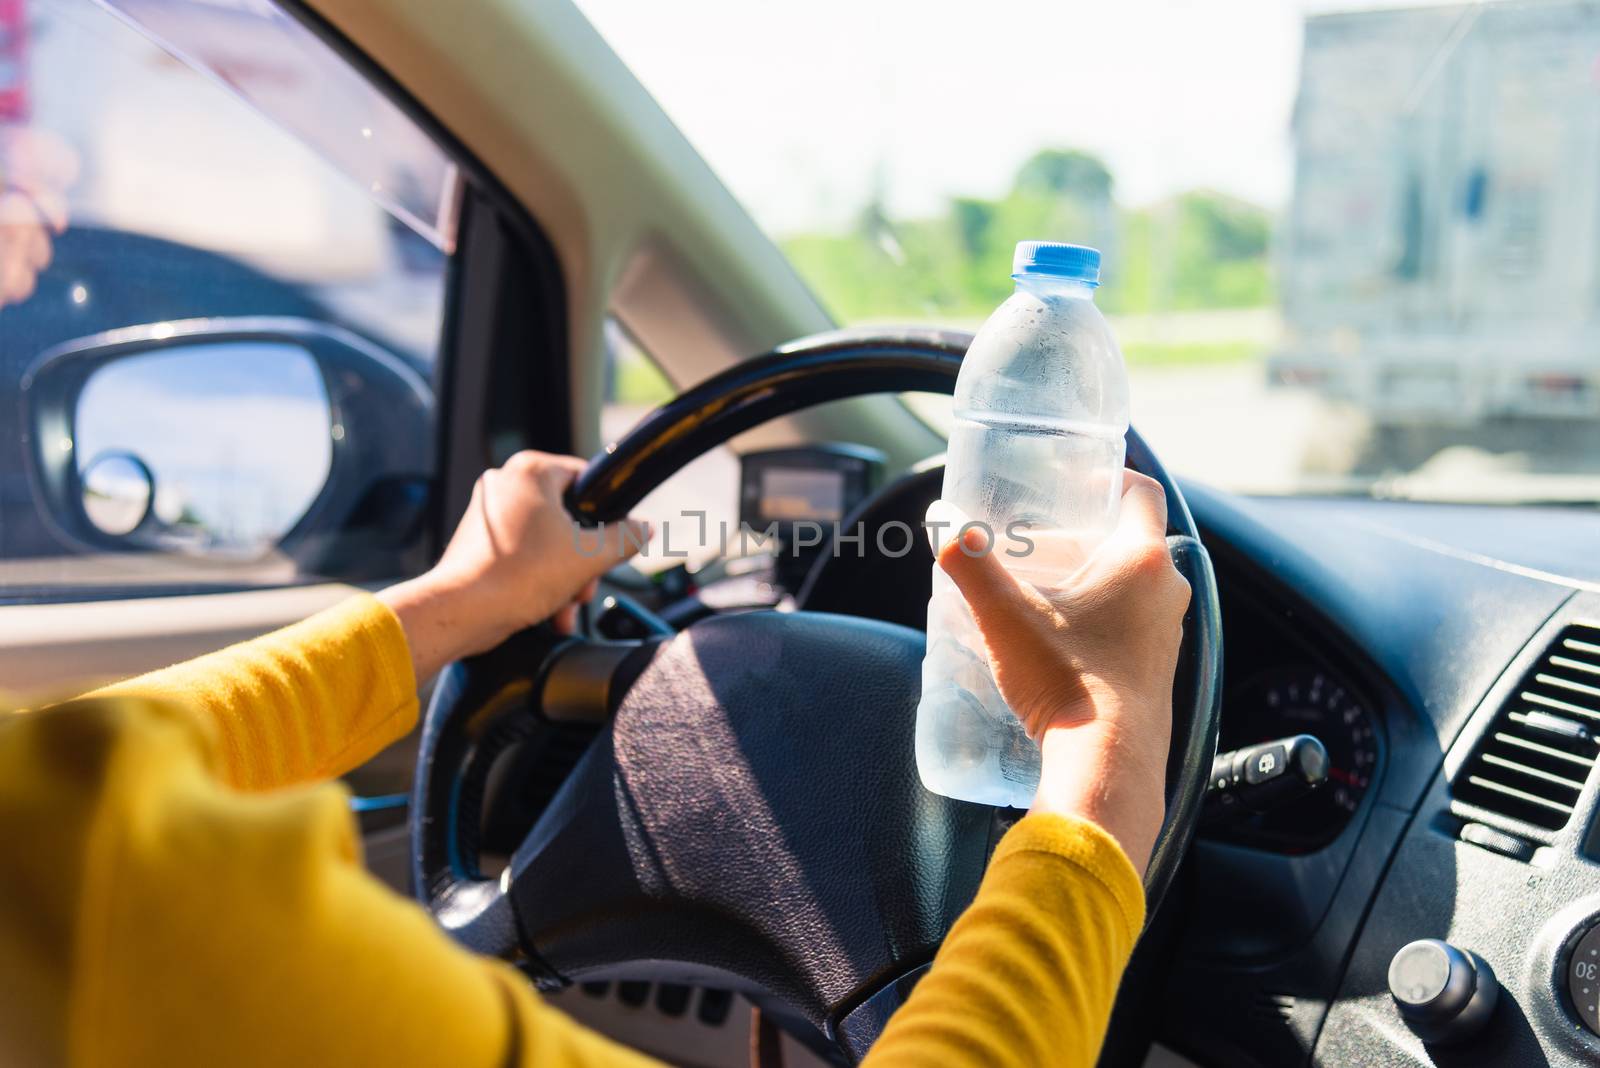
(1536, 756)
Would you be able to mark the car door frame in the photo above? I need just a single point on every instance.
(502, 383)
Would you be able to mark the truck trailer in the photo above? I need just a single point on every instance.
(1439, 265)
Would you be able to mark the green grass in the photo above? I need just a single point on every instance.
(640, 382)
(1187, 354)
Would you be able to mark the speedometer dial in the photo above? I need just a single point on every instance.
(1305, 700)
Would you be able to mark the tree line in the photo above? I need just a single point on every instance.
(1195, 250)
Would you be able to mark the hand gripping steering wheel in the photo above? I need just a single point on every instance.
(748, 814)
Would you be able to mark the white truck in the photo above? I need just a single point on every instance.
(1440, 260)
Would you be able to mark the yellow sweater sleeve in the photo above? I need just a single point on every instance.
(1029, 973)
(152, 916)
(152, 913)
(302, 704)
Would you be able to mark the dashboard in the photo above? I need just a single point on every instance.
(1413, 636)
(1403, 636)
(1448, 657)
(1281, 677)
(1306, 698)
(1278, 687)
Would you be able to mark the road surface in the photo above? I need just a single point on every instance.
(1222, 424)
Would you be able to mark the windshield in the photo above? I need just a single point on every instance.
(1348, 249)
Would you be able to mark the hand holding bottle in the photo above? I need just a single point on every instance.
(1087, 665)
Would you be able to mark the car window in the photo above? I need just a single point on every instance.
(223, 265)
(1349, 246)
(635, 386)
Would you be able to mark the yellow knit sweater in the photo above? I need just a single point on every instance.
(181, 885)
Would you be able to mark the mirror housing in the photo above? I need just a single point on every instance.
(361, 523)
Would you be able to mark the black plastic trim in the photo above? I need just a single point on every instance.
(522, 269)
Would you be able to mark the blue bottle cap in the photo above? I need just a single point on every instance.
(1077, 262)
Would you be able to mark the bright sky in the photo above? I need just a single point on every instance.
(801, 108)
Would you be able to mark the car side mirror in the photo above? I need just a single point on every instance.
(232, 440)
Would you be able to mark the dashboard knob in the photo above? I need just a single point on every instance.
(1444, 994)
(1583, 977)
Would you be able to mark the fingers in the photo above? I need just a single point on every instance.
(562, 471)
(998, 602)
(575, 465)
(566, 620)
(553, 473)
(36, 249)
(1138, 547)
(25, 199)
(19, 211)
(35, 159)
(24, 248)
(604, 547)
(1144, 506)
(47, 205)
(17, 274)
(943, 522)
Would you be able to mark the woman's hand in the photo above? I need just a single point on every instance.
(1088, 665)
(36, 169)
(516, 559)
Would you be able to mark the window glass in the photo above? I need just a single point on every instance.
(272, 62)
(1349, 247)
(183, 166)
(635, 383)
(708, 484)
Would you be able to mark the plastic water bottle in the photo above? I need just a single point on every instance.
(1041, 411)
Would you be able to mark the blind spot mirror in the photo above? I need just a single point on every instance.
(118, 492)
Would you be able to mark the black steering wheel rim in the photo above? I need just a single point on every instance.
(477, 702)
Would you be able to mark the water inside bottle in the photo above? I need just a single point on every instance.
(1042, 488)
(1048, 489)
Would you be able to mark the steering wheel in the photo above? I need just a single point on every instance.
(748, 814)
